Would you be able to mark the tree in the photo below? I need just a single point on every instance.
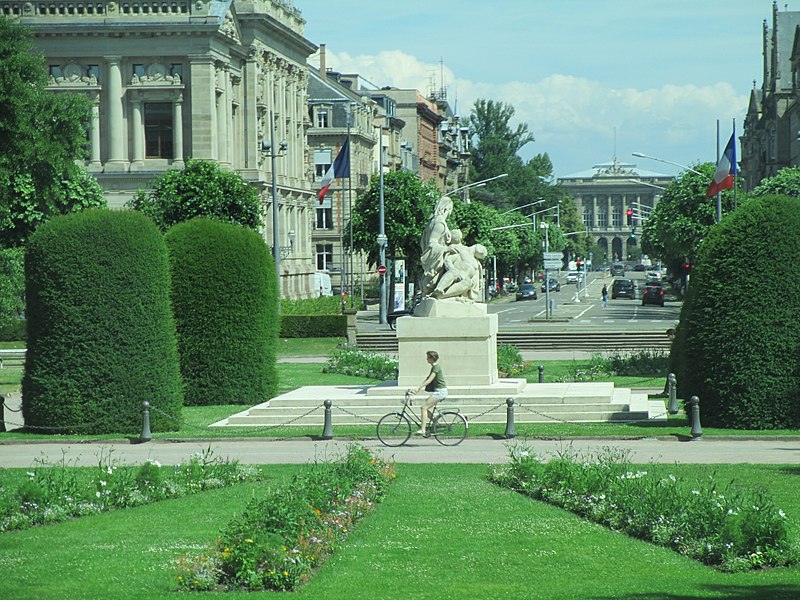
(200, 189)
(786, 182)
(12, 283)
(408, 204)
(41, 136)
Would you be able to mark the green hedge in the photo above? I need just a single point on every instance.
(322, 305)
(14, 331)
(303, 326)
(225, 301)
(739, 328)
(101, 338)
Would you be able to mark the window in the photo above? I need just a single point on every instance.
(324, 217)
(323, 117)
(158, 130)
(324, 257)
(602, 216)
(322, 162)
(616, 216)
(587, 216)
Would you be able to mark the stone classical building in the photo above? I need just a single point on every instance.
(207, 79)
(604, 194)
(771, 138)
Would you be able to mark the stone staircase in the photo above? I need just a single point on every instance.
(533, 403)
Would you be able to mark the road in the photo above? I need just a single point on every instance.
(581, 306)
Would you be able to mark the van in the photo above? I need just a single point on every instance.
(322, 283)
(618, 270)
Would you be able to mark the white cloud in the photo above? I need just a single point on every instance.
(574, 119)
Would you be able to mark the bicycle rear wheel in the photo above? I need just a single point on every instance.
(394, 429)
(450, 428)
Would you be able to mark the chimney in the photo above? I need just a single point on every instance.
(322, 66)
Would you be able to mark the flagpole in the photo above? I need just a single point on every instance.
(735, 166)
(719, 193)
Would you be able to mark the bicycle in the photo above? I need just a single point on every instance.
(448, 427)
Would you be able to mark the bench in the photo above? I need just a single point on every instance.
(12, 357)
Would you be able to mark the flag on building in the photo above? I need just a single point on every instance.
(726, 169)
(339, 169)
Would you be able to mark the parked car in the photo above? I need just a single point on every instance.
(574, 277)
(526, 291)
(623, 288)
(653, 294)
(554, 284)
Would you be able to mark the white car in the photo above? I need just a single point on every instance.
(653, 275)
(574, 277)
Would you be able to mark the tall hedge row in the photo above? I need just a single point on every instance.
(225, 301)
(740, 331)
(101, 337)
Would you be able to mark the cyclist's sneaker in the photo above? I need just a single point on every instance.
(422, 433)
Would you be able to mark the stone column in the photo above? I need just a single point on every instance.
(117, 140)
(94, 134)
(222, 113)
(250, 97)
(177, 131)
(204, 114)
(137, 132)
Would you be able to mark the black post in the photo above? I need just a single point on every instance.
(541, 373)
(510, 431)
(697, 431)
(2, 413)
(672, 407)
(327, 428)
(146, 436)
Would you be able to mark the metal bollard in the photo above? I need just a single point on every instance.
(146, 436)
(327, 428)
(510, 431)
(2, 413)
(697, 431)
(541, 373)
(672, 384)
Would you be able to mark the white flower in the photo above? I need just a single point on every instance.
(110, 470)
(103, 483)
(781, 514)
(97, 494)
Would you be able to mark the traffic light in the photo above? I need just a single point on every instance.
(687, 266)
(629, 212)
(578, 264)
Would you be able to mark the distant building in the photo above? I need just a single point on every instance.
(604, 194)
(201, 79)
(771, 138)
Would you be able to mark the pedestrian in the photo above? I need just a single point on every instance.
(435, 384)
(604, 295)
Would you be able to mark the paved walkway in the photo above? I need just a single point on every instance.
(477, 451)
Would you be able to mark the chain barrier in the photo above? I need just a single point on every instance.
(486, 412)
(352, 414)
(566, 422)
(7, 407)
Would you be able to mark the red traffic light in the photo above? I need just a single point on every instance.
(687, 266)
(629, 212)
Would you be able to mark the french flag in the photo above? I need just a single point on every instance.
(726, 169)
(339, 169)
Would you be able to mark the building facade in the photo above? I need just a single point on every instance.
(206, 79)
(771, 138)
(603, 196)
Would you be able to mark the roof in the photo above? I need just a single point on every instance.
(616, 169)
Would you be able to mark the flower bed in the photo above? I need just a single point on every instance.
(282, 536)
(730, 529)
(54, 493)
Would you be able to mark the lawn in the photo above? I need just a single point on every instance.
(442, 532)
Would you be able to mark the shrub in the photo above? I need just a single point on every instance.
(225, 300)
(509, 360)
(741, 338)
(647, 362)
(14, 331)
(322, 305)
(360, 363)
(101, 338)
(303, 326)
(12, 282)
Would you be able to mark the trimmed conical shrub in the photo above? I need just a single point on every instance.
(740, 329)
(101, 338)
(225, 302)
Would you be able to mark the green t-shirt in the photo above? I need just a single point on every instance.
(438, 382)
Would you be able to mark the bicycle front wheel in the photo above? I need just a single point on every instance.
(394, 429)
(450, 428)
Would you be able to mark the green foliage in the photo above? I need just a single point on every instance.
(509, 360)
(289, 530)
(200, 189)
(41, 136)
(12, 284)
(734, 531)
(14, 331)
(408, 204)
(305, 326)
(53, 493)
(742, 349)
(785, 183)
(225, 301)
(351, 361)
(321, 305)
(645, 362)
(101, 337)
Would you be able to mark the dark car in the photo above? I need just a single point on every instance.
(618, 270)
(623, 288)
(554, 285)
(526, 291)
(653, 294)
(640, 268)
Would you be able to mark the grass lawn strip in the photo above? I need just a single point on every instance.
(442, 532)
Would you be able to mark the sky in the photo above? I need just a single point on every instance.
(592, 79)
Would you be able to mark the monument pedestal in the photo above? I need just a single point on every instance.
(462, 333)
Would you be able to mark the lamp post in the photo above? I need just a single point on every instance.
(669, 162)
(382, 240)
(268, 149)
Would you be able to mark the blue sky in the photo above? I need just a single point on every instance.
(659, 73)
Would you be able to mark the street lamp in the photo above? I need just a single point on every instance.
(669, 162)
(652, 185)
(268, 149)
(480, 183)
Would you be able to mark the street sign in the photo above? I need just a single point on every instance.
(553, 255)
(381, 270)
(552, 264)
